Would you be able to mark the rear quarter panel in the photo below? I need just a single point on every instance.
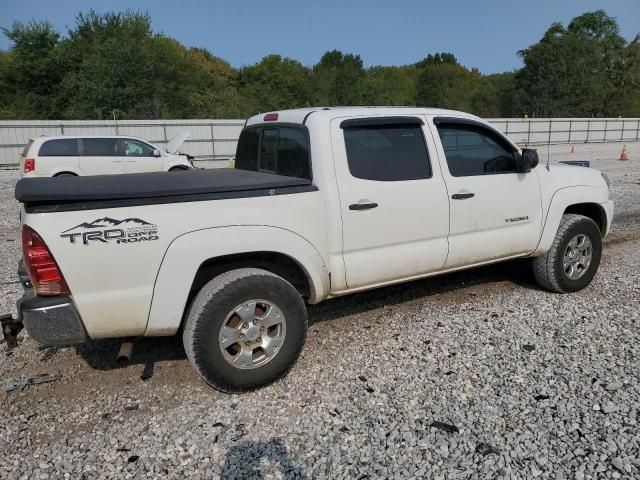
(112, 282)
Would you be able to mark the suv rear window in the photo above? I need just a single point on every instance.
(273, 149)
(63, 147)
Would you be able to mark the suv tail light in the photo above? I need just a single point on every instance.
(42, 268)
(29, 165)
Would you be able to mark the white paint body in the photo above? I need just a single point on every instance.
(417, 231)
(50, 166)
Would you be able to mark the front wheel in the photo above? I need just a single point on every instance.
(245, 329)
(574, 257)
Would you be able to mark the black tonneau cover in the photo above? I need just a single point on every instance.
(110, 191)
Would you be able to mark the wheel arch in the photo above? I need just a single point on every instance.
(582, 200)
(65, 172)
(188, 264)
(275, 262)
(590, 210)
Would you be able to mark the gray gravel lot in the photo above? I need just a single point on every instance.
(528, 383)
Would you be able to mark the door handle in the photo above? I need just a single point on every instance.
(362, 206)
(462, 196)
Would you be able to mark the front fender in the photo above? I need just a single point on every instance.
(186, 253)
(560, 201)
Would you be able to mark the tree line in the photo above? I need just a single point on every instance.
(114, 64)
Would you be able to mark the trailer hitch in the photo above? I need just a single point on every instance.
(10, 330)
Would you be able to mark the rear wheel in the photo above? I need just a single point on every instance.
(574, 257)
(245, 329)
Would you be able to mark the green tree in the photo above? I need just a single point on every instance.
(109, 68)
(390, 85)
(447, 85)
(275, 83)
(625, 97)
(7, 90)
(338, 79)
(214, 92)
(572, 71)
(438, 59)
(33, 79)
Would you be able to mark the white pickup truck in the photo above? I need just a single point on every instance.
(322, 202)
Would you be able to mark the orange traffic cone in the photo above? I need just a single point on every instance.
(624, 155)
(573, 149)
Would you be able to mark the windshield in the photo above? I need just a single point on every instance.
(273, 149)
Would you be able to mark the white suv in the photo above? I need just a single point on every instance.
(49, 156)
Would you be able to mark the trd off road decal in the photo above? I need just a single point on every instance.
(110, 230)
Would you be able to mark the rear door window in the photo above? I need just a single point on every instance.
(387, 153)
(64, 147)
(280, 150)
(100, 147)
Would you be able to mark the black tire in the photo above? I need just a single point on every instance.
(66, 175)
(178, 169)
(210, 310)
(548, 269)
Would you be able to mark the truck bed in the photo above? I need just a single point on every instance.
(111, 191)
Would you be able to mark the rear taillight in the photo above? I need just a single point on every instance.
(44, 273)
(271, 117)
(29, 165)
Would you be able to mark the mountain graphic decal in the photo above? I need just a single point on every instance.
(111, 222)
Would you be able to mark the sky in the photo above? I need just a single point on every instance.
(481, 33)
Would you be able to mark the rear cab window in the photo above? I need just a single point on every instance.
(279, 149)
(61, 147)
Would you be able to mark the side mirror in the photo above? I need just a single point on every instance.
(157, 153)
(527, 160)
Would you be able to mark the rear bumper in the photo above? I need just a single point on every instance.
(51, 321)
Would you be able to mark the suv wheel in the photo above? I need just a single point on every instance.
(574, 257)
(245, 329)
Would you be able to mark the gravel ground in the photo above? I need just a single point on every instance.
(525, 383)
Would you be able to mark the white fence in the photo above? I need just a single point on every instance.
(544, 131)
(216, 139)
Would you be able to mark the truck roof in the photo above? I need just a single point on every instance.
(300, 115)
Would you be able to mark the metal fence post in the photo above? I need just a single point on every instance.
(637, 129)
(164, 132)
(570, 128)
(213, 144)
(586, 140)
(606, 124)
(61, 129)
(622, 133)
(549, 137)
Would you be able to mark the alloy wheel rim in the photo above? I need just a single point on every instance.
(577, 256)
(252, 334)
